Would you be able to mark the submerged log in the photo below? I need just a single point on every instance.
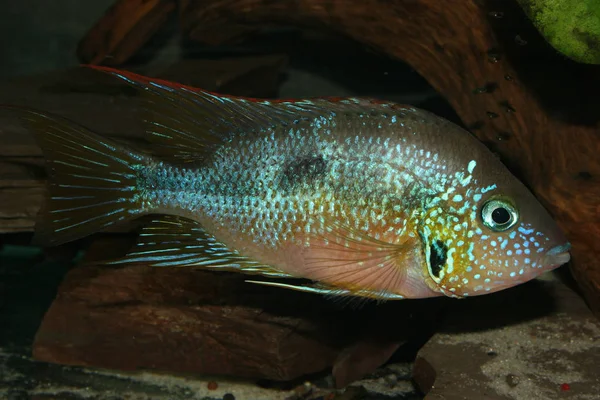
(519, 97)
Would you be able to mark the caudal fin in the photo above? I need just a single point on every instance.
(92, 180)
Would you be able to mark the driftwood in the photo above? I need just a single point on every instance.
(537, 110)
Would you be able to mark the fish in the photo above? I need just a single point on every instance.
(344, 197)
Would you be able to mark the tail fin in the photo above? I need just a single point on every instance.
(92, 180)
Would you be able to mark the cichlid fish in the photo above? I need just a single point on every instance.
(355, 196)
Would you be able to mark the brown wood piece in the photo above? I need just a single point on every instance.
(126, 26)
(533, 116)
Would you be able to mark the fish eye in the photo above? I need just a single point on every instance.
(499, 215)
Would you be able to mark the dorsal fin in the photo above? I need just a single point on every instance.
(188, 122)
(172, 241)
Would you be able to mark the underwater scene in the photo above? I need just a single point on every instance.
(300, 200)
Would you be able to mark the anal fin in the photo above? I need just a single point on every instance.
(172, 241)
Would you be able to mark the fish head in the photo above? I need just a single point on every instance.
(505, 238)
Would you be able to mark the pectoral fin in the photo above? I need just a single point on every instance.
(357, 262)
(329, 290)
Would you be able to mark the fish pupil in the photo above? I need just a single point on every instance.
(501, 216)
(437, 257)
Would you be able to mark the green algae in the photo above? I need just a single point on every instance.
(572, 27)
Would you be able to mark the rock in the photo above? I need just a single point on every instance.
(523, 343)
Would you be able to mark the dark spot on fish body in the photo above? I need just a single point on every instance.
(302, 170)
(438, 254)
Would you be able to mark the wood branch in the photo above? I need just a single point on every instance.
(125, 27)
(524, 102)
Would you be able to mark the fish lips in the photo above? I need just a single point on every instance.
(558, 255)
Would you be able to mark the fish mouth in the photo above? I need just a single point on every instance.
(558, 255)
